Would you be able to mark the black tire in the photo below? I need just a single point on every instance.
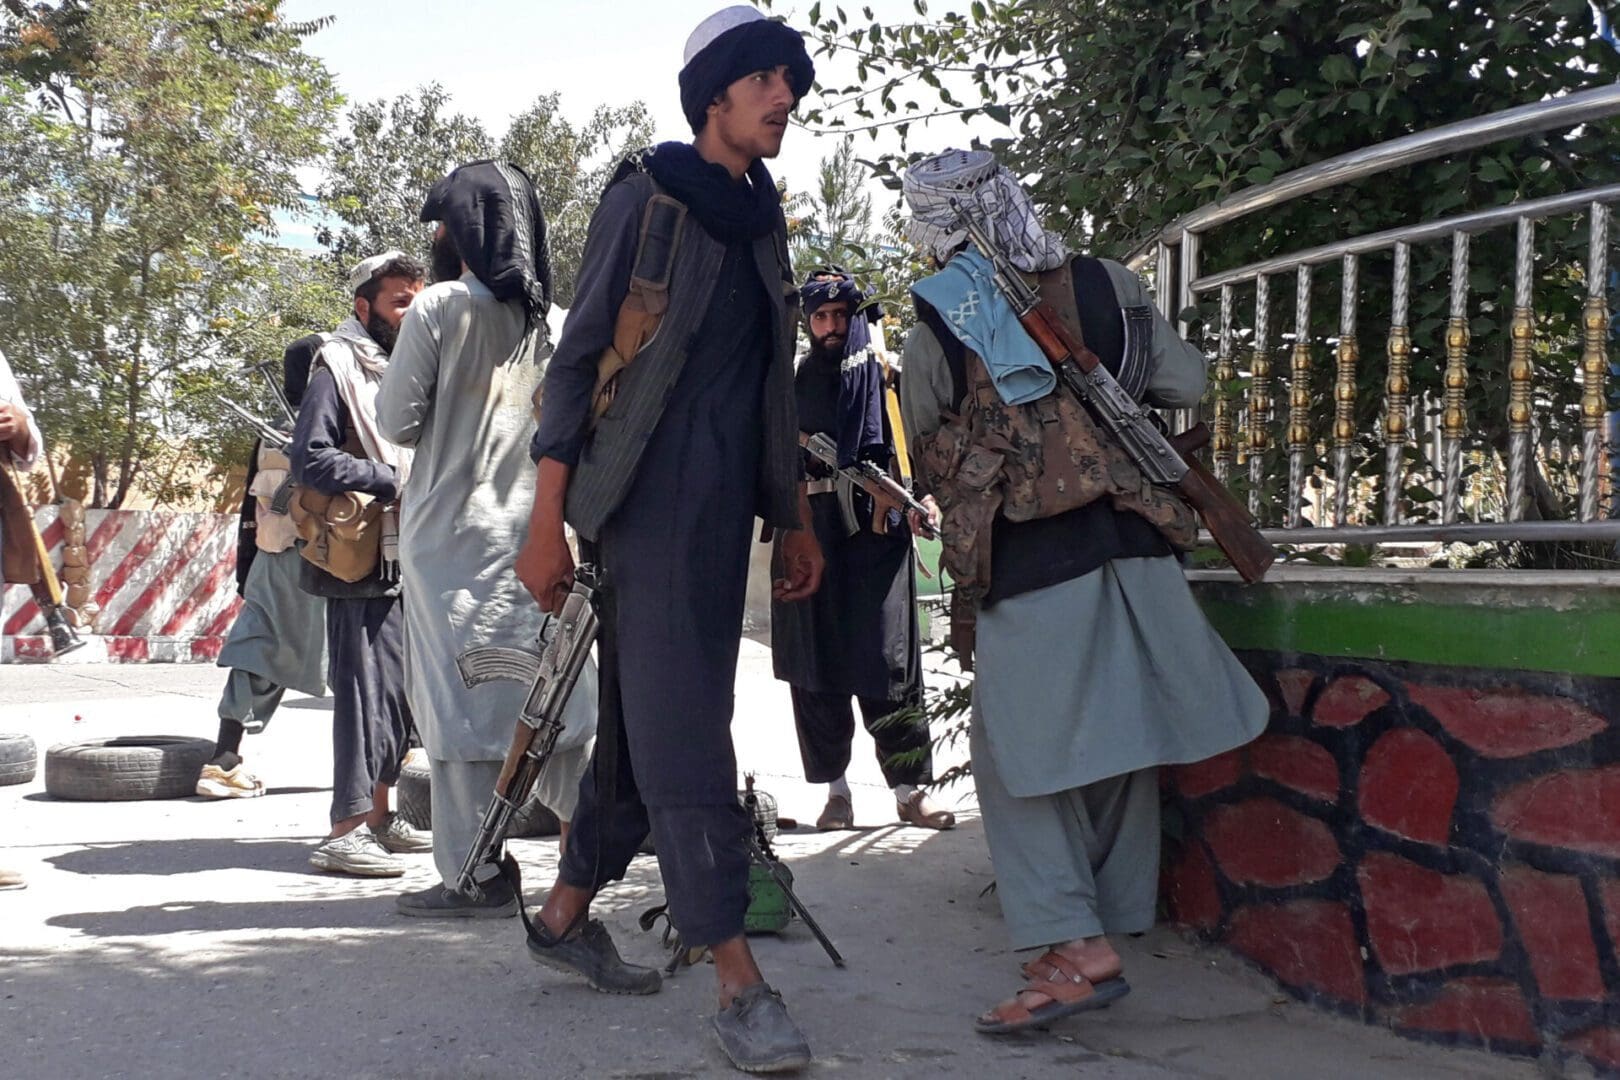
(19, 758)
(413, 797)
(125, 768)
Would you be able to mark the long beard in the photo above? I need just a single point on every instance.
(820, 350)
(446, 259)
(382, 332)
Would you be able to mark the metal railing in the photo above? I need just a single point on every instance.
(1180, 286)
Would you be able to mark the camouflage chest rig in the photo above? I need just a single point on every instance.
(1025, 462)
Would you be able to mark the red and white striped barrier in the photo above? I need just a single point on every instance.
(165, 583)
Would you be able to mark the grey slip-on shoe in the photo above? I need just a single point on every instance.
(495, 900)
(758, 1035)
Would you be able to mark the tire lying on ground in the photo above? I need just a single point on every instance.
(128, 767)
(18, 758)
(413, 797)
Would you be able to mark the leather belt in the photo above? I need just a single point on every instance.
(821, 487)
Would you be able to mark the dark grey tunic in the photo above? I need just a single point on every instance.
(676, 553)
(371, 722)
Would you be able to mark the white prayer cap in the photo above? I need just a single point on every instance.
(725, 19)
(367, 269)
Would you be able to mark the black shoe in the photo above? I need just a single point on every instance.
(758, 1035)
(495, 900)
(589, 951)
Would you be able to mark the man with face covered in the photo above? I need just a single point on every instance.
(857, 636)
(338, 447)
(458, 391)
(699, 437)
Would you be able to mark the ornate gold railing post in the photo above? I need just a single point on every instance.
(1259, 393)
(1397, 387)
(1344, 392)
(1594, 363)
(1454, 415)
(1224, 441)
(1299, 397)
(1521, 371)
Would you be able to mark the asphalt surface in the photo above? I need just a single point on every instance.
(190, 938)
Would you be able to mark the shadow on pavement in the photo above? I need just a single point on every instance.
(189, 856)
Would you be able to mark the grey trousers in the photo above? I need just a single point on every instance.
(250, 700)
(460, 795)
(461, 791)
(1075, 864)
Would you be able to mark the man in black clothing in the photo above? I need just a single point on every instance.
(698, 439)
(337, 449)
(857, 637)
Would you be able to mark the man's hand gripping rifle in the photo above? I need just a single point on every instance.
(869, 478)
(1129, 422)
(551, 675)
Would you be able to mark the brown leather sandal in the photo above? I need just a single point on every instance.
(1066, 991)
(911, 812)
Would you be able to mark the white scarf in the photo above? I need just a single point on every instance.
(991, 194)
(357, 364)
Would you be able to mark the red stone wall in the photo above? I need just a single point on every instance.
(1433, 849)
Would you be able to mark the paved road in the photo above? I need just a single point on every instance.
(189, 938)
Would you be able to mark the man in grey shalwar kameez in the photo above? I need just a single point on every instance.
(1094, 665)
(458, 390)
(277, 641)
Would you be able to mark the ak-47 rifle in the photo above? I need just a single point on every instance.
(868, 477)
(272, 435)
(551, 675)
(1124, 418)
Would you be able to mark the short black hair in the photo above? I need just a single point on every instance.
(404, 266)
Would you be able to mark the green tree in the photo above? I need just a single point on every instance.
(571, 166)
(382, 166)
(1129, 113)
(156, 141)
(834, 218)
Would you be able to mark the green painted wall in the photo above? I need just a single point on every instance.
(1537, 625)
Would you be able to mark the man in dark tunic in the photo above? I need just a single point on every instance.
(662, 491)
(337, 448)
(857, 636)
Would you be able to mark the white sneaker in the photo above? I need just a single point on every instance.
(403, 838)
(357, 852)
(215, 783)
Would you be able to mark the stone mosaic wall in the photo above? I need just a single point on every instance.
(1436, 849)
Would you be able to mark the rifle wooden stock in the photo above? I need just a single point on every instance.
(1227, 520)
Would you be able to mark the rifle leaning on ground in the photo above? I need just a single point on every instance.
(869, 478)
(551, 675)
(1130, 423)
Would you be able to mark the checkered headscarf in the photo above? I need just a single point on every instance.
(989, 192)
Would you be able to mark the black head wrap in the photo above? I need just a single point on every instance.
(295, 365)
(494, 216)
(757, 45)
